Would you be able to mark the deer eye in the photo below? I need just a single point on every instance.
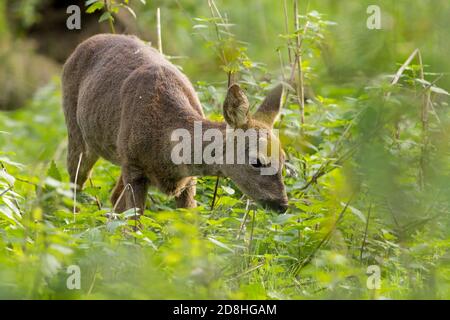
(259, 164)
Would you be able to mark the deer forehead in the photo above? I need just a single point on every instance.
(266, 148)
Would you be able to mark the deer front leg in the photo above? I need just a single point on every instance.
(136, 186)
(118, 197)
(186, 199)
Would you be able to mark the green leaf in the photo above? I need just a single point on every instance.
(6, 176)
(50, 265)
(228, 190)
(89, 2)
(12, 206)
(53, 172)
(106, 16)
(112, 226)
(439, 90)
(220, 244)
(424, 82)
(200, 26)
(8, 213)
(94, 7)
(357, 213)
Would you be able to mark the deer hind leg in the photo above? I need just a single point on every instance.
(186, 199)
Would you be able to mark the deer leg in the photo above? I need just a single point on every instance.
(79, 159)
(136, 185)
(79, 162)
(186, 199)
(118, 192)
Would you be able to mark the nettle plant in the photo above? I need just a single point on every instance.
(217, 33)
(9, 205)
(109, 8)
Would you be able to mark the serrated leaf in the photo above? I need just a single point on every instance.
(95, 6)
(439, 90)
(220, 244)
(106, 16)
(357, 213)
(228, 190)
(53, 172)
(112, 226)
(61, 249)
(50, 264)
(8, 213)
(7, 177)
(200, 26)
(89, 2)
(12, 206)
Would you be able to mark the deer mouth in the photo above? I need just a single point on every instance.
(279, 206)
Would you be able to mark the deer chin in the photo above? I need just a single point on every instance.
(279, 206)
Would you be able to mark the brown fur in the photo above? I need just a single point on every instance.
(122, 100)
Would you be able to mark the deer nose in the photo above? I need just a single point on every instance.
(279, 206)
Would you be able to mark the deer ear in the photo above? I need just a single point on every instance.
(270, 107)
(235, 107)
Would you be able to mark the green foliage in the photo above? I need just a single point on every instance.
(109, 8)
(367, 178)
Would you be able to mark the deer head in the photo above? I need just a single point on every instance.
(257, 167)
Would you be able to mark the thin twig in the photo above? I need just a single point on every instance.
(365, 234)
(91, 287)
(286, 26)
(97, 200)
(282, 65)
(426, 91)
(6, 191)
(400, 71)
(300, 85)
(76, 187)
(251, 231)
(135, 211)
(244, 220)
(158, 30)
(425, 127)
(395, 79)
(246, 272)
(215, 193)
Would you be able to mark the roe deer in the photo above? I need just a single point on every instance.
(122, 100)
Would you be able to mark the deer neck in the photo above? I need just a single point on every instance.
(201, 134)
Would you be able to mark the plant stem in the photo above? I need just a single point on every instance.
(110, 21)
(365, 234)
(215, 193)
(300, 85)
(425, 127)
(286, 26)
(158, 30)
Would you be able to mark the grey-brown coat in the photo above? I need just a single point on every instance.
(122, 100)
